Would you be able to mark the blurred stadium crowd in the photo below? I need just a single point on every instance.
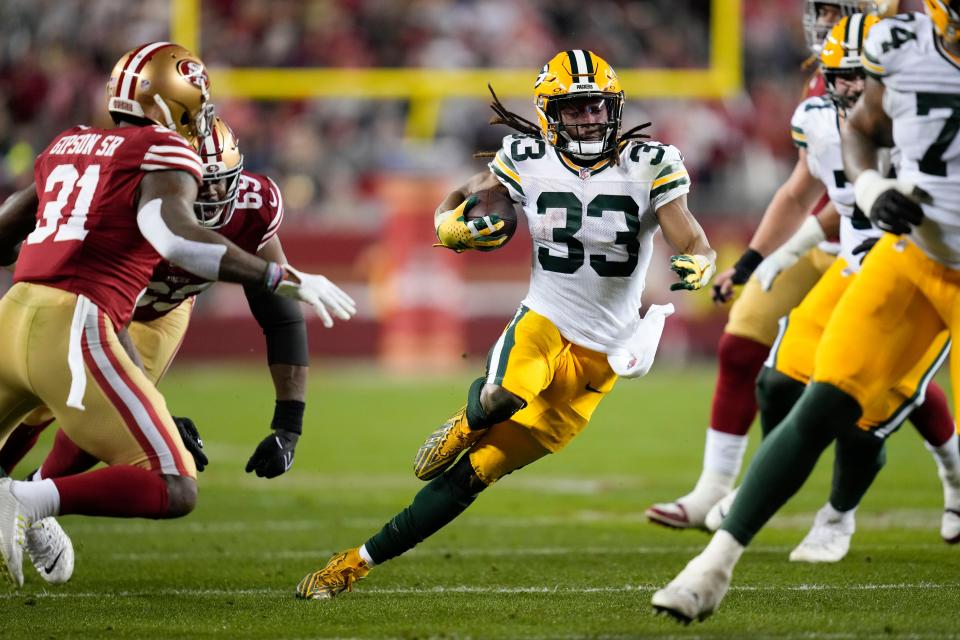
(56, 54)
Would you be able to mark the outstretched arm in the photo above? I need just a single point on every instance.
(166, 219)
(694, 262)
(786, 214)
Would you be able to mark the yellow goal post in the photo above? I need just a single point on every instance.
(427, 88)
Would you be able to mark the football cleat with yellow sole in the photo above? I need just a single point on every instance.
(341, 572)
(442, 447)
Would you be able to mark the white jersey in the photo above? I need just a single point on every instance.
(592, 231)
(922, 98)
(815, 127)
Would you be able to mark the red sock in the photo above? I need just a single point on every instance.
(932, 419)
(65, 458)
(122, 491)
(734, 396)
(23, 438)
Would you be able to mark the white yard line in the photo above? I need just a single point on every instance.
(320, 554)
(545, 589)
(910, 519)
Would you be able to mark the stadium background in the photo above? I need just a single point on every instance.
(561, 550)
(366, 111)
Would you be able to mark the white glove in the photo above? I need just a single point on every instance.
(809, 235)
(633, 357)
(318, 292)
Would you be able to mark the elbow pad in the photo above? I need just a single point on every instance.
(283, 327)
(199, 258)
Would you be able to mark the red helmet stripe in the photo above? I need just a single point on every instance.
(116, 91)
(139, 60)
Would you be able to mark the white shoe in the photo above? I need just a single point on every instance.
(829, 538)
(13, 526)
(695, 593)
(50, 550)
(687, 512)
(719, 511)
(950, 526)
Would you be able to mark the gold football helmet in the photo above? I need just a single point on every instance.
(945, 15)
(816, 27)
(840, 55)
(570, 78)
(164, 83)
(222, 164)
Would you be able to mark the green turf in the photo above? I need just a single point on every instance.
(558, 550)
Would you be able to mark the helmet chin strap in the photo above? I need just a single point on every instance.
(167, 116)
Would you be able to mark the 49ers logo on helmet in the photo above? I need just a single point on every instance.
(195, 73)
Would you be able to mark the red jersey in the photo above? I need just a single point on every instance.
(816, 86)
(255, 220)
(86, 240)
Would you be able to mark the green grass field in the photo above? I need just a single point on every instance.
(559, 550)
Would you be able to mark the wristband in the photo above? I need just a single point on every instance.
(746, 265)
(288, 415)
(273, 276)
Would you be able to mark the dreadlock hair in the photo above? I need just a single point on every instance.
(526, 127)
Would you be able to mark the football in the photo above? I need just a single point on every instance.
(495, 202)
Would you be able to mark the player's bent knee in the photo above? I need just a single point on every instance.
(776, 395)
(464, 477)
(181, 495)
(498, 403)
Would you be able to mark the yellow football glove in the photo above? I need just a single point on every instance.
(695, 271)
(456, 233)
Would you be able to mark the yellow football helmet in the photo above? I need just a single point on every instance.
(569, 78)
(945, 15)
(815, 28)
(840, 55)
(222, 164)
(164, 83)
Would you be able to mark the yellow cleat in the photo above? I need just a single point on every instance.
(342, 570)
(442, 447)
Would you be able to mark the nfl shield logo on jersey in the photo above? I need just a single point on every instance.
(584, 173)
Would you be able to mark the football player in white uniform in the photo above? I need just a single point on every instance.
(904, 296)
(773, 276)
(816, 131)
(593, 198)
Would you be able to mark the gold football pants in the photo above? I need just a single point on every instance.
(61, 352)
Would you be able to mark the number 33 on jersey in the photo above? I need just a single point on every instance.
(592, 229)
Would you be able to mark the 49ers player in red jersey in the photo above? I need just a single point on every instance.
(107, 206)
(247, 209)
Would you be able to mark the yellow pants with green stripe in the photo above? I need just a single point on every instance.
(561, 383)
(797, 351)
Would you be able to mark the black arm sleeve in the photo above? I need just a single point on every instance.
(282, 322)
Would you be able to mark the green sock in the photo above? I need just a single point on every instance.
(859, 458)
(436, 505)
(776, 395)
(787, 456)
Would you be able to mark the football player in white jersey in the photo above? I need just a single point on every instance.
(816, 128)
(904, 296)
(593, 198)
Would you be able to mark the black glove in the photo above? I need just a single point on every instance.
(274, 455)
(897, 213)
(191, 440)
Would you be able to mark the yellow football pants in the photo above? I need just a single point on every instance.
(885, 323)
(795, 351)
(561, 383)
